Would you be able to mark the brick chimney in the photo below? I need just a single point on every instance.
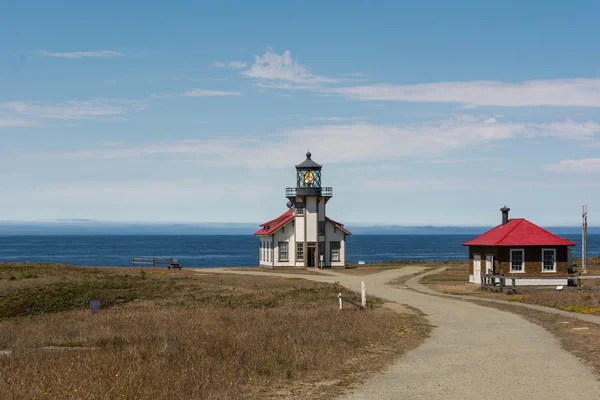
(505, 211)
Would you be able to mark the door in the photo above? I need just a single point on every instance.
(476, 268)
(489, 264)
(311, 255)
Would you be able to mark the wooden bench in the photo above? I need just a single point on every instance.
(155, 262)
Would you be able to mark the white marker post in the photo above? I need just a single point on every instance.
(363, 294)
(340, 297)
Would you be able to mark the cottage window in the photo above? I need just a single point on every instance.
(283, 251)
(321, 228)
(300, 251)
(335, 251)
(548, 260)
(299, 208)
(517, 260)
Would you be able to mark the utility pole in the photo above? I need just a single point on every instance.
(584, 241)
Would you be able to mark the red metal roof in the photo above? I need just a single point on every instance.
(518, 232)
(271, 226)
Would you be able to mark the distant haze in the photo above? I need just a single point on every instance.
(89, 227)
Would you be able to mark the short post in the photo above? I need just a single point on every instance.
(340, 298)
(132, 262)
(94, 306)
(153, 262)
(363, 294)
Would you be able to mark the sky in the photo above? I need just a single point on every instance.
(422, 113)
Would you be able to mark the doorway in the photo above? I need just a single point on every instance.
(311, 255)
(476, 268)
(489, 264)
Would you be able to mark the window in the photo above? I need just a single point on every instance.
(321, 228)
(283, 251)
(548, 260)
(300, 251)
(268, 251)
(335, 251)
(517, 260)
(299, 208)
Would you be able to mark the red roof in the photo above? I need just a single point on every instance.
(518, 232)
(270, 227)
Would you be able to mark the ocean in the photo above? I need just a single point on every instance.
(229, 250)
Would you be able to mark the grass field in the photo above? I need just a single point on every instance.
(180, 335)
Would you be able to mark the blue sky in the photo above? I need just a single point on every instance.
(432, 113)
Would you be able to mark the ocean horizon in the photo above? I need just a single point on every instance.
(230, 250)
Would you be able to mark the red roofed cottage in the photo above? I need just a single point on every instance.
(518, 246)
(304, 236)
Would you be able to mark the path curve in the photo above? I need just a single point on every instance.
(470, 346)
(414, 283)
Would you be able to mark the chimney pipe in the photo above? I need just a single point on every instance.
(505, 211)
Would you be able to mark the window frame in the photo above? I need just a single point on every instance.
(522, 271)
(339, 251)
(280, 245)
(553, 250)
(299, 251)
(300, 208)
(321, 228)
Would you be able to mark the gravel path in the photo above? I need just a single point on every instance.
(470, 346)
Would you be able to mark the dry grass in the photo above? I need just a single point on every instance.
(282, 270)
(180, 335)
(455, 272)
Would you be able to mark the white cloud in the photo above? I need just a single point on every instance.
(331, 119)
(567, 129)
(558, 92)
(281, 71)
(35, 111)
(80, 54)
(338, 143)
(14, 123)
(209, 93)
(230, 64)
(575, 165)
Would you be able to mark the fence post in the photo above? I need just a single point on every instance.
(363, 294)
(153, 262)
(340, 298)
(132, 262)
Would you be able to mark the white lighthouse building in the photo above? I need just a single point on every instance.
(304, 236)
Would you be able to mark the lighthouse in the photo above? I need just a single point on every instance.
(304, 236)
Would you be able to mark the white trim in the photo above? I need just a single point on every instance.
(511, 261)
(554, 268)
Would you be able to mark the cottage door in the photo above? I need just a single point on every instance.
(476, 268)
(489, 264)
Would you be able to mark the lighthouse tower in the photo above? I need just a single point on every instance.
(304, 236)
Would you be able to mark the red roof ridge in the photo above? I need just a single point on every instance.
(273, 225)
(520, 221)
